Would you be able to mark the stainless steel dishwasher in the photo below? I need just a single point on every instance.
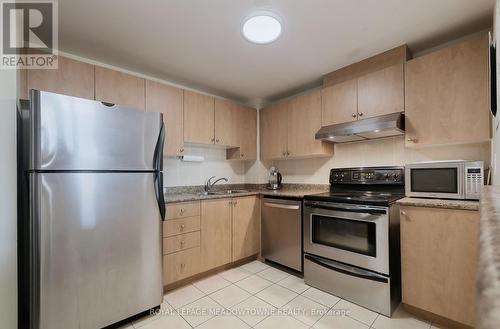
(282, 231)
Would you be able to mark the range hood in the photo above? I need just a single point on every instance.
(372, 128)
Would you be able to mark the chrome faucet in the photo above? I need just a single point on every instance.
(209, 185)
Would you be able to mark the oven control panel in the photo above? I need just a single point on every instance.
(381, 175)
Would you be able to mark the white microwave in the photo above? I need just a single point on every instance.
(457, 179)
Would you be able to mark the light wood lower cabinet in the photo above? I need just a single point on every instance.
(439, 250)
(215, 233)
(246, 227)
(181, 265)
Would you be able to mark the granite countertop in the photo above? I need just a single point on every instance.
(194, 193)
(440, 203)
(488, 276)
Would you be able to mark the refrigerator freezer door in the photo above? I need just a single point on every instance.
(71, 133)
(99, 248)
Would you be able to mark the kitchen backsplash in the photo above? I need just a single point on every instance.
(388, 151)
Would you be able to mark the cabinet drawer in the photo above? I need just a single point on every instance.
(181, 226)
(181, 242)
(180, 265)
(183, 209)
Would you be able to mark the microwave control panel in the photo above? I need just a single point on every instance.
(474, 181)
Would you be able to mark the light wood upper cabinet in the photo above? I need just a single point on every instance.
(339, 103)
(304, 120)
(447, 95)
(439, 261)
(72, 78)
(288, 128)
(246, 126)
(273, 131)
(215, 233)
(119, 88)
(169, 101)
(199, 118)
(381, 92)
(226, 123)
(246, 227)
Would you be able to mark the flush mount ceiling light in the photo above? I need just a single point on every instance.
(261, 28)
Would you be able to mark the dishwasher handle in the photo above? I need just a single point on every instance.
(282, 206)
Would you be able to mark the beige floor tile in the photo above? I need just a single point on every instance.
(254, 267)
(253, 310)
(305, 310)
(294, 283)
(230, 296)
(183, 296)
(233, 275)
(253, 284)
(211, 284)
(356, 312)
(400, 320)
(321, 297)
(334, 321)
(224, 322)
(276, 295)
(273, 275)
(280, 322)
(200, 311)
(165, 322)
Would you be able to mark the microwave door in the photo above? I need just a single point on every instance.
(438, 181)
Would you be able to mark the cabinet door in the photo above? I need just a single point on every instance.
(215, 233)
(381, 92)
(304, 120)
(169, 101)
(119, 88)
(246, 227)
(447, 95)
(439, 260)
(181, 265)
(71, 78)
(247, 131)
(273, 131)
(339, 103)
(198, 118)
(226, 123)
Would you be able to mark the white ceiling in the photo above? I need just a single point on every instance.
(197, 43)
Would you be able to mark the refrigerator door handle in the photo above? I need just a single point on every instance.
(158, 163)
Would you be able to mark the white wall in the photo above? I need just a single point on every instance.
(8, 199)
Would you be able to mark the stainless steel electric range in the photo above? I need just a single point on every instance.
(351, 237)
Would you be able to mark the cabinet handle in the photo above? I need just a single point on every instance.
(284, 153)
(235, 203)
(217, 140)
(182, 211)
(181, 150)
(183, 266)
(182, 243)
(242, 155)
(287, 153)
(403, 213)
(354, 115)
(182, 227)
(413, 140)
(360, 114)
(212, 140)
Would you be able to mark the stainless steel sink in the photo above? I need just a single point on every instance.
(225, 192)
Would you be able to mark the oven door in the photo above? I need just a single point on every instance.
(352, 234)
(435, 180)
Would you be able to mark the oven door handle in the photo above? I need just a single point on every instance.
(345, 269)
(363, 210)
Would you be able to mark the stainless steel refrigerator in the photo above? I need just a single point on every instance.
(90, 210)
